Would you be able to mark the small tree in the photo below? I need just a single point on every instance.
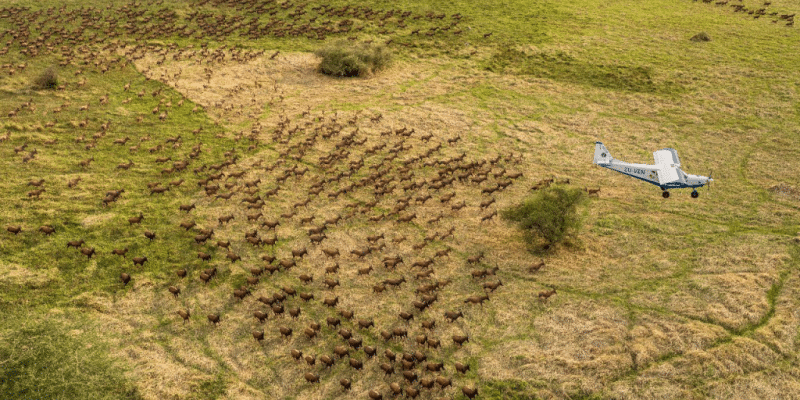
(548, 217)
(48, 79)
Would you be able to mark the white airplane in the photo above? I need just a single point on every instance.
(666, 173)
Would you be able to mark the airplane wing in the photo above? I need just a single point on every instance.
(668, 165)
(668, 174)
(667, 157)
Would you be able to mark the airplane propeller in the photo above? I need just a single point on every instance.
(708, 184)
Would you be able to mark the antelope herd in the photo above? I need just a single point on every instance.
(369, 198)
(757, 11)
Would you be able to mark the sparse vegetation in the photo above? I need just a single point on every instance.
(48, 79)
(549, 217)
(348, 59)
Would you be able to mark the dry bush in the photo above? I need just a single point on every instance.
(343, 58)
(48, 79)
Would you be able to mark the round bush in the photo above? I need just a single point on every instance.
(347, 59)
(48, 79)
(549, 217)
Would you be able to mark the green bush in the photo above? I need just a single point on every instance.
(548, 217)
(48, 79)
(344, 58)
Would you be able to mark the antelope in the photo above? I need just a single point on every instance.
(489, 216)
(452, 315)
(492, 286)
(443, 382)
(546, 294)
(85, 163)
(460, 339)
(331, 283)
(331, 252)
(331, 302)
(476, 299)
(136, 220)
(260, 315)
(469, 391)
(365, 271)
(536, 267)
(332, 269)
(299, 252)
(365, 323)
(394, 282)
(309, 376)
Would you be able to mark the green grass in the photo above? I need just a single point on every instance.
(210, 389)
(563, 67)
(46, 358)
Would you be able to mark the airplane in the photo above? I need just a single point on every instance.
(666, 173)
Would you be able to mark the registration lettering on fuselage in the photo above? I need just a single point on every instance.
(636, 171)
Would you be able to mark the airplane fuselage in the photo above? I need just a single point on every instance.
(649, 173)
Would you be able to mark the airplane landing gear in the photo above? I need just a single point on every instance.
(695, 194)
(665, 194)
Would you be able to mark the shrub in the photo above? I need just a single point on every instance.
(701, 37)
(343, 58)
(48, 79)
(549, 217)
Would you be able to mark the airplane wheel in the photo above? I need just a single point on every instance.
(665, 194)
(695, 194)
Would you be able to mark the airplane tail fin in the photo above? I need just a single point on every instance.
(601, 154)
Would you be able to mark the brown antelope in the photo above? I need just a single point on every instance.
(546, 294)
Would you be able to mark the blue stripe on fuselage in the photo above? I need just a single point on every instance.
(609, 166)
(670, 185)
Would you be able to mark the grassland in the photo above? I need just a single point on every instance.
(658, 298)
